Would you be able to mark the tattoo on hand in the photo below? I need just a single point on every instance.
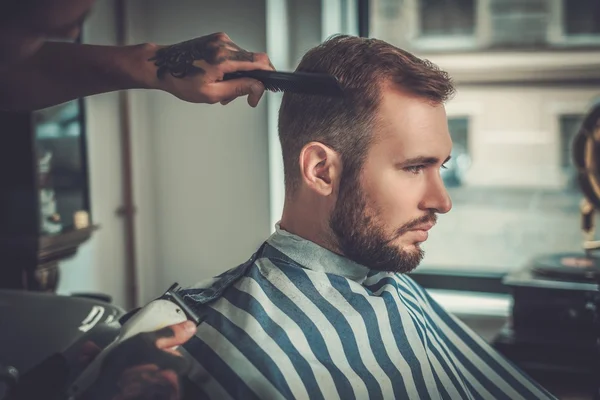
(179, 59)
(147, 382)
(138, 369)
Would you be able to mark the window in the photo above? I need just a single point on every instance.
(518, 23)
(447, 17)
(581, 17)
(514, 194)
(446, 25)
(569, 126)
(460, 162)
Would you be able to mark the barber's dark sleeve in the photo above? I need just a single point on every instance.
(45, 381)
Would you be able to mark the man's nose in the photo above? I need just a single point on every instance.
(437, 198)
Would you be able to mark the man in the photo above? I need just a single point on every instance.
(325, 309)
(37, 73)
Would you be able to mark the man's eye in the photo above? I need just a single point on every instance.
(416, 169)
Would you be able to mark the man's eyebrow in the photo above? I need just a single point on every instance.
(422, 160)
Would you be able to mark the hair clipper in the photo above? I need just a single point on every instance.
(168, 309)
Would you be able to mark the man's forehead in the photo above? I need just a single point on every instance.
(412, 124)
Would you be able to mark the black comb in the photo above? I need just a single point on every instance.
(294, 82)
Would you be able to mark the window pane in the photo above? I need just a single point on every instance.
(447, 17)
(460, 161)
(518, 22)
(569, 126)
(581, 17)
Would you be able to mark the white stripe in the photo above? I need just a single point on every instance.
(480, 342)
(448, 358)
(426, 359)
(484, 366)
(323, 377)
(252, 327)
(389, 342)
(454, 363)
(333, 342)
(463, 349)
(357, 325)
(238, 362)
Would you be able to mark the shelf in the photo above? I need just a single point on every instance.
(50, 248)
(63, 245)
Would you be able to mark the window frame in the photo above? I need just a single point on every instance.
(556, 34)
(482, 38)
(458, 42)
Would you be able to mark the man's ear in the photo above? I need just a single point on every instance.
(320, 167)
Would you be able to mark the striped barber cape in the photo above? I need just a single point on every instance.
(299, 322)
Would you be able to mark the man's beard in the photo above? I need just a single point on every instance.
(361, 236)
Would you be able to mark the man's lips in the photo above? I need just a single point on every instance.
(423, 227)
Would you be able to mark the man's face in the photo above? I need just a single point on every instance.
(382, 216)
(24, 30)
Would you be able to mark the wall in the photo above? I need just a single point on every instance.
(201, 171)
(99, 264)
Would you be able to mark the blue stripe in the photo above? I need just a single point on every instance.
(482, 353)
(251, 305)
(299, 278)
(416, 289)
(312, 334)
(219, 369)
(441, 388)
(489, 385)
(410, 306)
(197, 297)
(440, 350)
(364, 308)
(388, 298)
(249, 348)
(421, 331)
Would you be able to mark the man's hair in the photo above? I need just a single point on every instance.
(363, 66)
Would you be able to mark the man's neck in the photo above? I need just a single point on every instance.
(309, 224)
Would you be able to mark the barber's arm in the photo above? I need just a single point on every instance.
(142, 367)
(191, 70)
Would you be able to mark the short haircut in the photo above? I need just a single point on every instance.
(363, 66)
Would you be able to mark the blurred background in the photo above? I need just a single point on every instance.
(117, 196)
(527, 73)
(181, 192)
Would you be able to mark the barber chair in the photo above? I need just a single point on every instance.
(34, 326)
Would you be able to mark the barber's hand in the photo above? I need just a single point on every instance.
(144, 367)
(193, 70)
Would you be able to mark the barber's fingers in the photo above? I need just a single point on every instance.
(174, 335)
(225, 91)
(88, 351)
(261, 61)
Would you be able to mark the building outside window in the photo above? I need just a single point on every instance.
(525, 72)
(447, 17)
(447, 25)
